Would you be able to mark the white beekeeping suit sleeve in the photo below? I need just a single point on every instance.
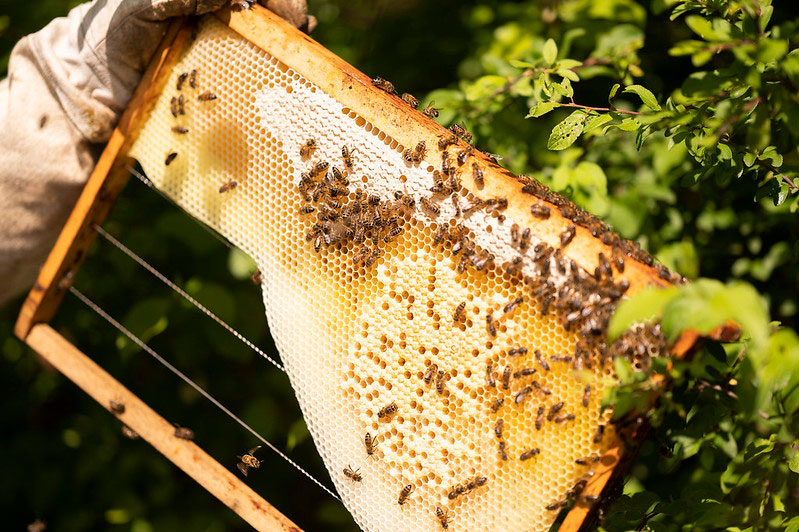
(66, 87)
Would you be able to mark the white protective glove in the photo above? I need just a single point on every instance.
(66, 88)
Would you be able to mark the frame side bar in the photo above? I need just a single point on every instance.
(187, 455)
(104, 185)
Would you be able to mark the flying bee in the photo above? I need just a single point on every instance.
(257, 277)
(524, 372)
(498, 428)
(497, 403)
(541, 360)
(517, 351)
(443, 517)
(600, 431)
(207, 96)
(405, 493)
(462, 156)
(477, 175)
(567, 235)
(554, 409)
(539, 418)
(506, 378)
(382, 84)
(522, 395)
(563, 418)
(430, 206)
(346, 154)
(490, 376)
(586, 395)
(248, 461)
(410, 100)
(181, 80)
(503, 453)
(352, 474)
(319, 167)
(460, 131)
(184, 433)
(432, 371)
(441, 379)
(116, 408)
(129, 433)
(511, 306)
(490, 325)
(181, 105)
(173, 106)
(387, 410)
(230, 185)
(170, 158)
(306, 148)
(193, 79)
(540, 211)
(430, 111)
(526, 455)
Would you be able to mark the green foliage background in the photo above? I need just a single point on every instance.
(694, 154)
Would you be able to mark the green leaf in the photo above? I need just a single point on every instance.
(793, 457)
(596, 121)
(566, 132)
(644, 306)
(541, 108)
(646, 96)
(569, 74)
(298, 433)
(521, 64)
(240, 264)
(550, 52)
(484, 87)
(613, 90)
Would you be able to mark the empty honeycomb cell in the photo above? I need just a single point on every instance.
(355, 338)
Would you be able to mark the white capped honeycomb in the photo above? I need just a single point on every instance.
(355, 339)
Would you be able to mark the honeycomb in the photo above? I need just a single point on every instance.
(358, 334)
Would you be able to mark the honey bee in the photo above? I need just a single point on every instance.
(193, 79)
(490, 376)
(563, 418)
(257, 277)
(514, 234)
(407, 155)
(446, 166)
(207, 96)
(230, 185)
(460, 131)
(173, 106)
(456, 203)
(116, 408)
(477, 482)
(182, 130)
(556, 505)
(382, 84)
(430, 206)
(441, 379)
(248, 461)
(406, 199)
(497, 403)
(586, 395)
(541, 360)
(490, 325)
(430, 111)
(183, 433)
(410, 100)
(339, 176)
(587, 461)
(439, 235)
(590, 498)
(455, 492)
(539, 418)
(554, 409)
(405, 493)
(181, 80)
(462, 156)
(431, 372)
(525, 239)
(170, 158)
(567, 235)
(306, 148)
(526, 455)
(498, 428)
(540, 211)
(506, 378)
(307, 209)
(419, 152)
(477, 175)
(522, 395)
(352, 474)
(503, 453)
(443, 517)
(346, 154)
(524, 372)
(511, 306)
(387, 411)
(517, 351)
(370, 443)
(600, 432)
(319, 167)
(542, 389)
(181, 105)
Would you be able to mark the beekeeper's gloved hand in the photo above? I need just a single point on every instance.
(66, 88)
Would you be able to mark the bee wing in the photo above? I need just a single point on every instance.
(251, 451)
(243, 468)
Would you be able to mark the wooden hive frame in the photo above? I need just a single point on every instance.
(344, 83)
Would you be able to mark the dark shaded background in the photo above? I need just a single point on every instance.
(63, 458)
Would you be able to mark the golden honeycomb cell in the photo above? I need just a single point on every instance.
(355, 339)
